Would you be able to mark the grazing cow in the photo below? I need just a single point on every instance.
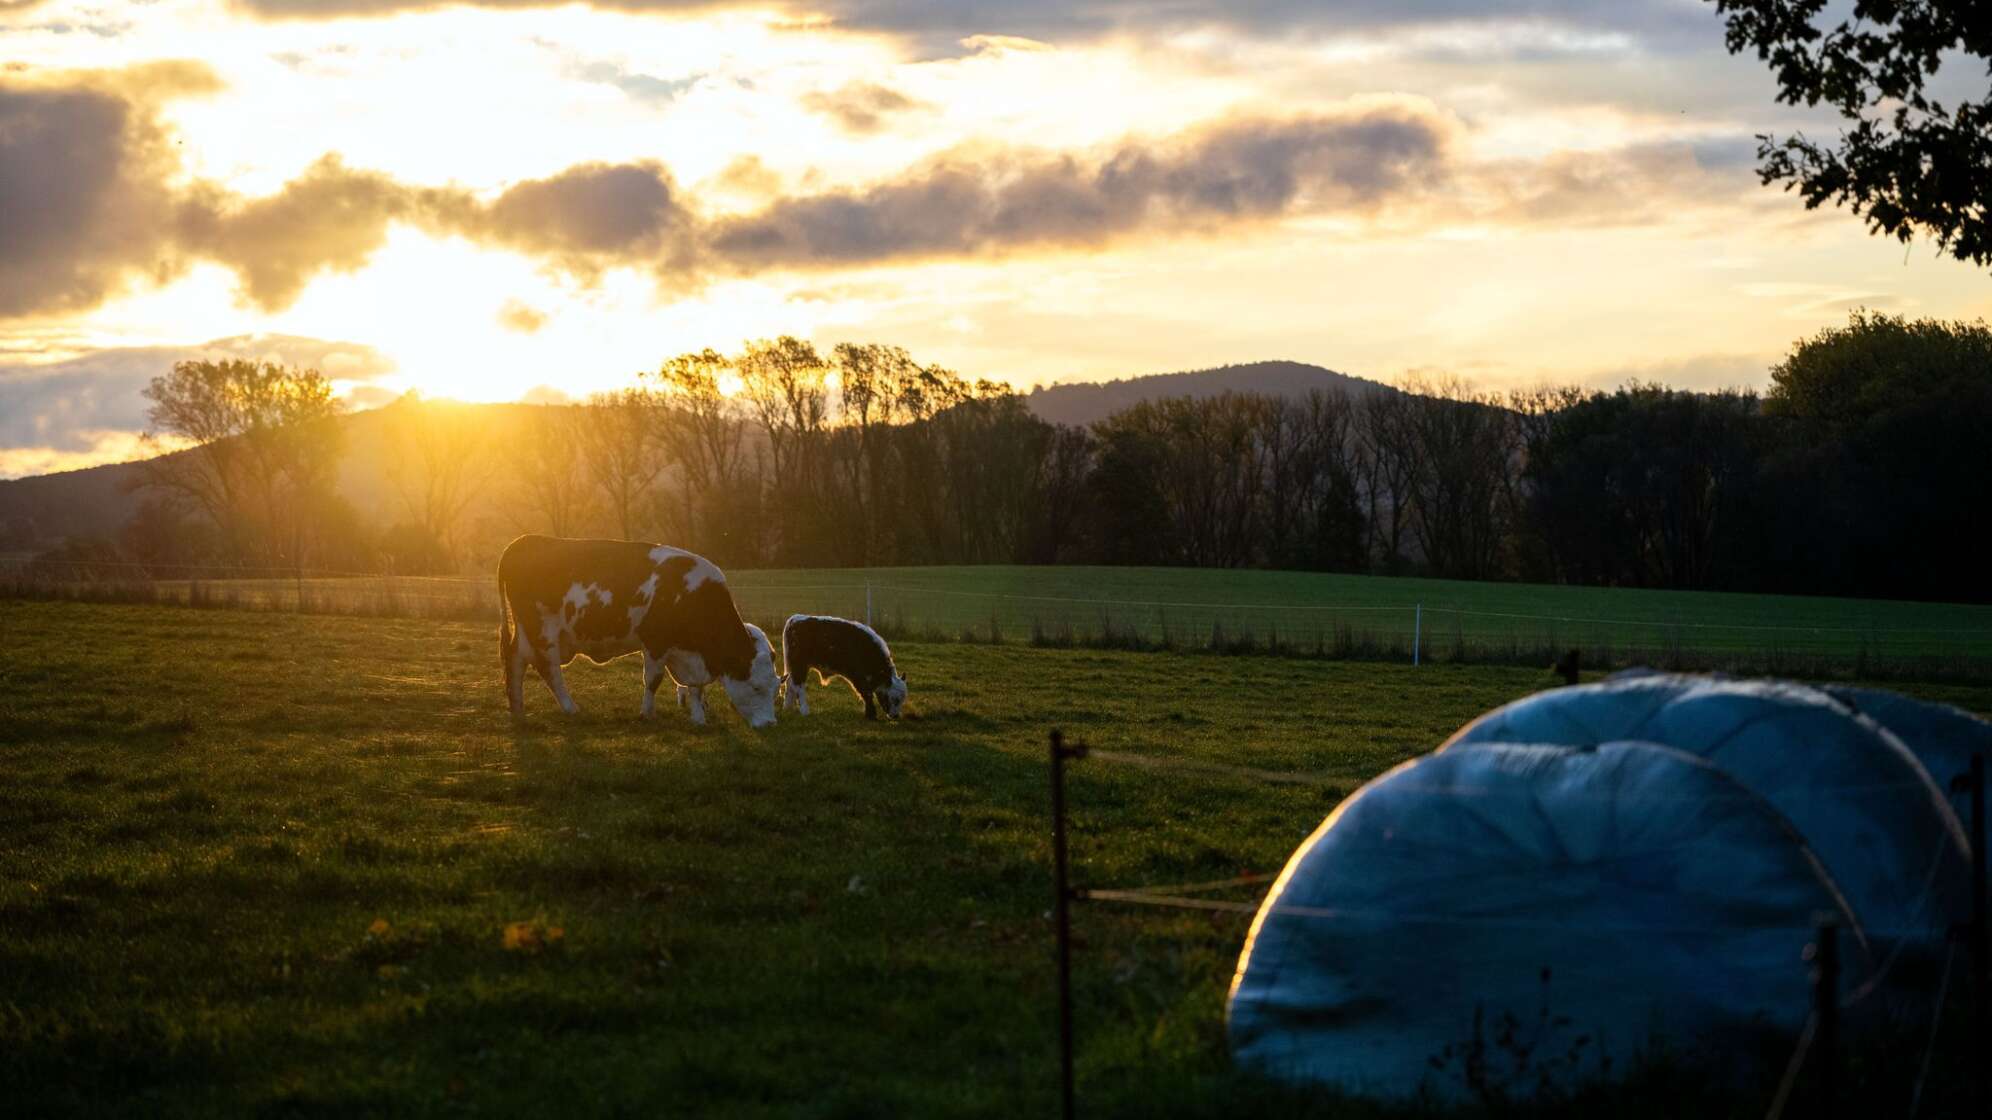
(838, 647)
(693, 696)
(601, 599)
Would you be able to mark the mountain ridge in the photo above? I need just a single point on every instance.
(1088, 402)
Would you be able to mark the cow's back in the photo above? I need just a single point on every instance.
(836, 647)
(540, 569)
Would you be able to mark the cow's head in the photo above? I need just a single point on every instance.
(754, 696)
(892, 697)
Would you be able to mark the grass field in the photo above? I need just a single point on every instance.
(1459, 618)
(266, 864)
(1345, 616)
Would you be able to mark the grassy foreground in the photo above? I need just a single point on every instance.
(269, 864)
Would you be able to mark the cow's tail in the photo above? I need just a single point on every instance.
(508, 640)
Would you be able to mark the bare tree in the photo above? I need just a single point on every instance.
(704, 427)
(550, 490)
(1534, 409)
(266, 448)
(437, 461)
(621, 452)
(1466, 452)
(868, 376)
(1386, 461)
(785, 383)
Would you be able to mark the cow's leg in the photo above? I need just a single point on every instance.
(653, 675)
(557, 681)
(799, 691)
(684, 696)
(696, 701)
(518, 656)
(871, 706)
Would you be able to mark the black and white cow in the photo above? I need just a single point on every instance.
(601, 599)
(693, 696)
(838, 647)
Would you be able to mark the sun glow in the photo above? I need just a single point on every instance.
(435, 307)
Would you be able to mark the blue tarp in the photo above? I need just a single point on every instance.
(1495, 916)
(1593, 870)
(1865, 805)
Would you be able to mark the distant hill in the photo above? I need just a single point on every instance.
(97, 501)
(1082, 403)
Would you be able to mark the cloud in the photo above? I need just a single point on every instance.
(1637, 184)
(585, 217)
(861, 108)
(970, 203)
(96, 448)
(940, 26)
(639, 87)
(331, 218)
(89, 204)
(1703, 373)
(83, 206)
(94, 202)
(334, 218)
(67, 407)
(518, 316)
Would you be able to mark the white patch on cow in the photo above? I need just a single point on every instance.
(701, 570)
(553, 627)
(894, 696)
(756, 697)
(653, 675)
(581, 595)
(687, 668)
(645, 592)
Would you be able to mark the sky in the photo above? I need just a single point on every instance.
(508, 199)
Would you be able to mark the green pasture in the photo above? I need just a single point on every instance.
(1379, 615)
(283, 865)
(1338, 616)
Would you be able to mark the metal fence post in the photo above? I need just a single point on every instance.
(1972, 782)
(1826, 1007)
(1417, 630)
(1061, 909)
(868, 603)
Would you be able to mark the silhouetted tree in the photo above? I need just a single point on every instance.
(1641, 486)
(1884, 456)
(1908, 162)
(550, 490)
(1464, 453)
(1386, 458)
(704, 436)
(266, 448)
(437, 461)
(621, 452)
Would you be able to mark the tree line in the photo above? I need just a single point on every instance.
(1857, 472)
